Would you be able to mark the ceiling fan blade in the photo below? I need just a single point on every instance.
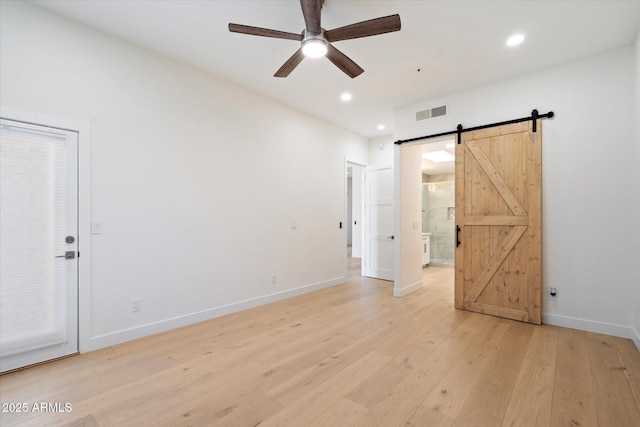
(264, 32)
(372, 27)
(311, 11)
(343, 62)
(290, 65)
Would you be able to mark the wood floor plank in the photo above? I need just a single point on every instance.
(615, 403)
(450, 394)
(488, 401)
(412, 328)
(411, 392)
(344, 413)
(87, 421)
(530, 402)
(630, 359)
(70, 387)
(427, 417)
(250, 411)
(316, 401)
(573, 395)
(300, 383)
(167, 393)
(347, 355)
(374, 389)
(240, 393)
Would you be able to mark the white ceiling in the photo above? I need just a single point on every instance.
(442, 144)
(457, 45)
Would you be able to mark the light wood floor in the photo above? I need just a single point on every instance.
(350, 355)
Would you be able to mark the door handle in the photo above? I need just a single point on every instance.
(457, 235)
(68, 255)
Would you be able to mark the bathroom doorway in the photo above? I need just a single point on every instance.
(355, 217)
(438, 203)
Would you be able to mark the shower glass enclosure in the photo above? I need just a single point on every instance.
(438, 216)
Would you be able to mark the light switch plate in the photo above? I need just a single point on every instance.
(96, 227)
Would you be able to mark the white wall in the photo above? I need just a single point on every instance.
(636, 192)
(408, 219)
(381, 150)
(196, 180)
(588, 208)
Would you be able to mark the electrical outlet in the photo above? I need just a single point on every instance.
(136, 304)
(274, 279)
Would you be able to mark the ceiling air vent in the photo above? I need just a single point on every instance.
(423, 115)
(432, 112)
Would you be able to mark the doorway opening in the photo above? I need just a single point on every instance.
(354, 216)
(438, 203)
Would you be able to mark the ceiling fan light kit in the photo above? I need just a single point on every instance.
(316, 42)
(314, 45)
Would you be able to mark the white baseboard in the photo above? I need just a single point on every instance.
(591, 326)
(125, 335)
(400, 292)
(636, 338)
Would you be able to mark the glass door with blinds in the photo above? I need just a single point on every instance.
(38, 244)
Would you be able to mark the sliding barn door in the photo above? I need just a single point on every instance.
(498, 215)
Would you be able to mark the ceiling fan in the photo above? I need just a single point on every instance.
(316, 41)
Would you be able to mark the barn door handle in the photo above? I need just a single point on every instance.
(457, 235)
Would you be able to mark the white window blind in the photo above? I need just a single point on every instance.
(33, 303)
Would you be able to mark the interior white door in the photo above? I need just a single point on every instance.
(38, 249)
(378, 254)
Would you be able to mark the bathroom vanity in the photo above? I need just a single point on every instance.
(426, 248)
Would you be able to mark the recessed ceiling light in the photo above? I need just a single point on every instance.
(346, 96)
(381, 127)
(515, 40)
(438, 156)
